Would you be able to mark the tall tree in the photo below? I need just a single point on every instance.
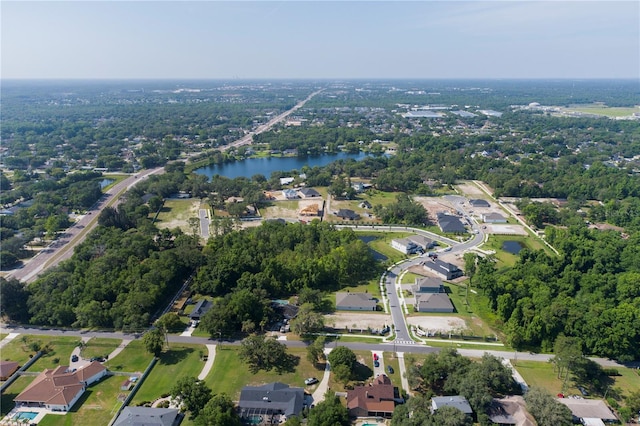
(153, 341)
(329, 412)
(193, 394)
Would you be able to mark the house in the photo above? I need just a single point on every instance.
(365, 205)
(450, 224)
(347, 214)
(201, 308)
(423, 242)
(270, 399)
(286, 180)
(358, 187)
(447, 271)
(405, 245)
(494, 218)
(459, 402)
(510, 411)
(290, 194)
(479, 203)
(428, 285)
(309, 193)
(59, 389)
(433, 302)
(590, 412)
(355, 302)
(377, 399)
(7, 368)
(146, 416)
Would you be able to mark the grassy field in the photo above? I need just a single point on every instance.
(604, 110)
(176, 213)
(181, 360)
(96, 407)
(99, 346)
(59, 354)
(382, 244)
(229, 374)
(134, 358)
(6, 399)
(504, 258)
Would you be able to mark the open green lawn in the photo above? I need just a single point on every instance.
(181, 360)
(410, 278)
(3, 335)
(542, 374)
(177, 212)
(382, 243)
(96, 407)
(134, 358)
(60, 349)
(604, 110)
(229, 374)
(99, 346)
(507, 259)
(6, 400)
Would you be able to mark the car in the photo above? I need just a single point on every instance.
(389, 369)
(375, 357)
(376, 363)
(74, 358)
(310, 381)
(583, 391)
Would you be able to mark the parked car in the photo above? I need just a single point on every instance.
(310, 381)
(389, 369)
(375, 357)
(74, 358)
(583, 391)
(376, 363)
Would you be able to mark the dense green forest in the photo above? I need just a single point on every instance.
(245, 270)
(590, 292)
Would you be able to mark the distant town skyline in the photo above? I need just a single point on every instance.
(320, 39)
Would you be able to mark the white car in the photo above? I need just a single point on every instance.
(310, 381)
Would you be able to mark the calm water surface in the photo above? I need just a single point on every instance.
(267, 165)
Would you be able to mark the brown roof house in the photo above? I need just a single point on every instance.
(510, 411)
(355, 302)
(59, 389)
(377, 399)
(7, 368)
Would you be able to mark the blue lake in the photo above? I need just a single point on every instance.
(267, 165)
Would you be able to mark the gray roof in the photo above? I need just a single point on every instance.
(459, 402)
(309, 192)
(441, 267)
(589, 408)
(479, 203)
(145, 416)
(428, 284)
(355, 300)
(200, 309)
(494, 216)
(273, 397)
(421, 240)
(449, 223)
(434, 302)
(348, 214)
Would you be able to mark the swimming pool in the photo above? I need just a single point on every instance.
(29, 415)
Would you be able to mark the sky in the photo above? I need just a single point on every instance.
(300, 39)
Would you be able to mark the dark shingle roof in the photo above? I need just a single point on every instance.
(272, 397)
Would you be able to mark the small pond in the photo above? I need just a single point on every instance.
(106, 182)
(512, 247)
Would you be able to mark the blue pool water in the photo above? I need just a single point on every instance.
(30, 415)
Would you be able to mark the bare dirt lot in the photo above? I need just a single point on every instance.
(358, 320)
(505, 229)
(437, 324)
(470, 190)
(433, 205)
(177, 212)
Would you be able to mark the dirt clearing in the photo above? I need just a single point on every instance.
(438, 324)
(357, 321)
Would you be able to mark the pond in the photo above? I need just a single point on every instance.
(376, 254)
(512, 247)
(106, 182)
(267, 165)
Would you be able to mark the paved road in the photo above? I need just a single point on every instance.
(62, 248)
(387, 347)
(248, 138)
(204, 223)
